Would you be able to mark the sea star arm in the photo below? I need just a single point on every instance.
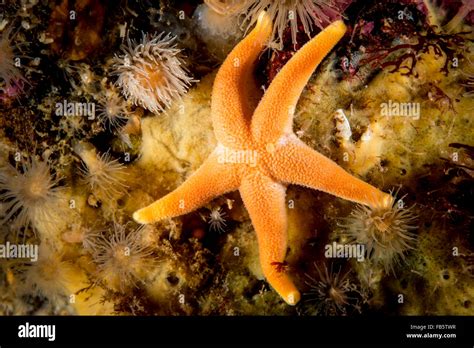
(212, 179)
(235, 93)
(296, 163)
(265, 202)
(274, 114)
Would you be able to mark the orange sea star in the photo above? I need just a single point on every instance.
(258, 153)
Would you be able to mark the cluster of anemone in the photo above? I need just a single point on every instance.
(386, 231)
(122, 260)
(10, 75)
(330, 293)
(104, 176)
(152, 73)
(292, 13)
(31, 196)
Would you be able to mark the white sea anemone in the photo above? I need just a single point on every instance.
(104, 176)
(152, 73)
(386, 231)
(330, 293)
(121, 258)
(217, 220)
(308, 13)
(112, 110)
(49, 276)
(31, 196)
(78, 233)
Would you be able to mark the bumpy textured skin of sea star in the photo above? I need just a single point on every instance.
(258, 153)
